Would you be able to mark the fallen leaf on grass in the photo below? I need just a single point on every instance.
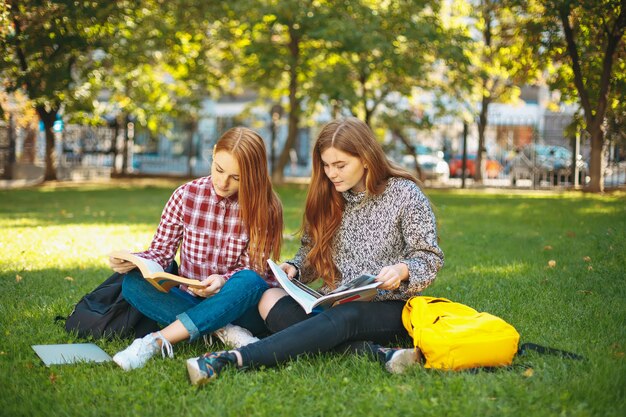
(586, 292)
(547, 247)
(617, 351)
(528, 372)
(69, 279)
(18, 278)
(587, 259)
(590, 268)
(551, 263)
(570, 234)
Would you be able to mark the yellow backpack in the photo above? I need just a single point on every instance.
(453, 336)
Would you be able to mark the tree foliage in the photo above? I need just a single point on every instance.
(378, 50)
(501, 60)
(582, 43)
(43, 44)
(275, 46)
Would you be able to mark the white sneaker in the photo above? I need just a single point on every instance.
(398, 360)
(141, 350)
(235, 336)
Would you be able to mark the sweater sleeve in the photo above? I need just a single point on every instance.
(422, 254)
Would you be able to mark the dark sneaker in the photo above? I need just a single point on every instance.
(396, 360)
(208, 366)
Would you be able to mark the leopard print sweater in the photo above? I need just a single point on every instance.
(395, 226)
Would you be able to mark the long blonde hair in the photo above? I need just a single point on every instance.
(324, 204)
(261, 209)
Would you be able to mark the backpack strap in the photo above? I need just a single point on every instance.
(544, 350)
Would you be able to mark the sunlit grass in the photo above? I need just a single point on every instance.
(553, 265)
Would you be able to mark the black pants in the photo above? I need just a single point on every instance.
(348, 327)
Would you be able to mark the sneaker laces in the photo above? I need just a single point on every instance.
(166, 346)
(208, 339)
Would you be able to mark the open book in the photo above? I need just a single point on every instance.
(154, 273)
(362, 288)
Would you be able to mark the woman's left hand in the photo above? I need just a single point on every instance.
(391, 276)
(212, 286)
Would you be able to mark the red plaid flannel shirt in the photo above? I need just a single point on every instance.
(209, 230)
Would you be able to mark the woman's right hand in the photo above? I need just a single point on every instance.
(289, 269)
(120, 265)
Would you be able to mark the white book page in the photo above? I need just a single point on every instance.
(151, 265)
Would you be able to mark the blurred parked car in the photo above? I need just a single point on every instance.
(545, 163)
(493, 167)
(431, 162)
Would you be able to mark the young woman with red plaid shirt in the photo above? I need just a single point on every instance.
(227, 225)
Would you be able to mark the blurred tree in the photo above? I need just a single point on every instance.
(275, 46)
(42, 43)
(379, 52)
(397, 121)
(502, 61)
(18, 113)
(582, 43)
(381, 56)
(162, 65)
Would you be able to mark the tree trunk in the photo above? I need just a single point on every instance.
(191, 129)
(480, 153)
(368, 117)
(596, 165)
(125, 146)
(594, 115)
(409, 147)
(113, 150)
(278, 175)
(48, 117)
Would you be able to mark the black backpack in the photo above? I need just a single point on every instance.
(105, 313)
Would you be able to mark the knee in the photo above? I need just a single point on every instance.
(250, 279)
(269, 300)
(134, 283)
(345, 313)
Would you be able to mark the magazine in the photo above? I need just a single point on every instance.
(362, 288)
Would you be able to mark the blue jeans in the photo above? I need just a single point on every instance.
(235, 303)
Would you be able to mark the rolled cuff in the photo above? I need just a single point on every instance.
(194, 333)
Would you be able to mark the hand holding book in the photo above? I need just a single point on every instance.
(153, 272)
(290, 270)
(212, 285)
(361, 289)
(121, 266)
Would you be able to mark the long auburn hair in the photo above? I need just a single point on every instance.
(261, 209)
(324, 205)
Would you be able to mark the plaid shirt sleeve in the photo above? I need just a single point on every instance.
(169, 232)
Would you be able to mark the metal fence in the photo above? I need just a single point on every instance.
(518, 155)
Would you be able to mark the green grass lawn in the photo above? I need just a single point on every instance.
(498, 247)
